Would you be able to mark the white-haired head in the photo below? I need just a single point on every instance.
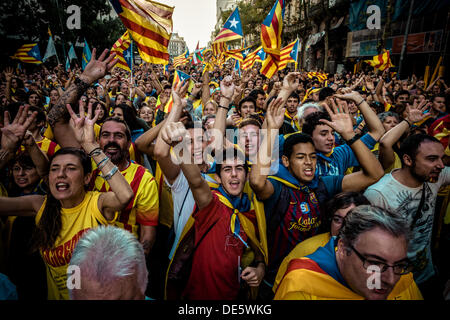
(110, 259)
(306, 109)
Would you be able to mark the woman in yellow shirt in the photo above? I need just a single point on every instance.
(67, 211)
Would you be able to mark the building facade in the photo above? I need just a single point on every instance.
(177, 45)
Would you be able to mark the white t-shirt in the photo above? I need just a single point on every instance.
(181, 212)
(390, 194)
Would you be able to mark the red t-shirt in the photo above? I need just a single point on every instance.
(215, 265)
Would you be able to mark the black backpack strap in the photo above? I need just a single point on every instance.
(419, 208)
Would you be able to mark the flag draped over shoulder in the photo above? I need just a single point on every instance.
(28, 53)
(288, 54)
(177, 78)
(150, 26)
(86, 56)
(122, 48)
(271, 29)
(381, 61)
(232, 29)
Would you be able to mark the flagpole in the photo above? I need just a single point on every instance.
(131, 67)
(296, 58)
(62, 31)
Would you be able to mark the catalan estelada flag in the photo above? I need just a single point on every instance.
(150, 25)
(178, 77)
(28, 53)
(232, 29)
(252, 57)
(381, 61)
(237, 54)
(122, 48)
(288, 54)
(271, 29)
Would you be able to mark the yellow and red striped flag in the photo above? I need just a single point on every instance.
(381, 61)
(177, 78)
(122, 50)
(288, 54)
(28, 53)
(319, 75)
(271, 29)
(150, 26)
(251, 59)
(181, 59)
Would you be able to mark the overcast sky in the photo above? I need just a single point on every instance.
(194, 20)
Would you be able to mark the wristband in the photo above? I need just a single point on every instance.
(219, 106)
(409, 123)
(352, 140)
(102, 163)
(360, 102)
(95, 152)
(111, 173)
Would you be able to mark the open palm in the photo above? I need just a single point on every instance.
(83, 125)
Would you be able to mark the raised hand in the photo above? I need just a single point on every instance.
(349, 94)
(291, 81)
(227, 88)
(415, 113)
(83, 125)
(9, 73)
(13, 133)
(173, 133)
(341, 120)
(275, 114)
(179, 94)
(97, 68)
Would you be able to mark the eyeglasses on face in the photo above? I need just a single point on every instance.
(399, 269)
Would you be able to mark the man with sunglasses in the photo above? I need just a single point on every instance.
(368, 260)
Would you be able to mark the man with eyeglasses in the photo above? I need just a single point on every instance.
(368, 260)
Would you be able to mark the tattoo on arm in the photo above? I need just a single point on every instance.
(71, 95)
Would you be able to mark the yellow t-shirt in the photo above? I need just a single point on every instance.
(75, 221)
(49, 132)
(145, 204)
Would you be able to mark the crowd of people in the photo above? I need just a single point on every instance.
(224, 186)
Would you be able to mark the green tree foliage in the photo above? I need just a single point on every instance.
(28, 21)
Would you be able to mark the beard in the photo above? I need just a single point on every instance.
(419, 177)
(118, 157)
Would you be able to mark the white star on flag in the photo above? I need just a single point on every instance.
(127, 55)
(233, 23)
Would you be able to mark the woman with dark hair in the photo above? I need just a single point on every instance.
(68, 210)
(337, 209)
(128, 114)
(34, 99)
(103, 112)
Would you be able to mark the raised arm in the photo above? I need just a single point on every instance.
(161, 150)
(386, 151)
(290, 83)
(13, 133)
(260, 169)
(376, 129)
(145, 142)
(121, 192)
(176, 133)
(58, 117)
(38, 156)
(226, 94)
(371, 168)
